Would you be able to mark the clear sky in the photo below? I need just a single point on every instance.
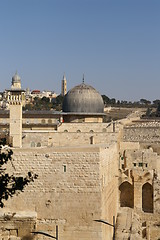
(115, 43)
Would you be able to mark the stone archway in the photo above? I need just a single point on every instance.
(32, 144)
(38, 144)
(126, 195)
(147, 198)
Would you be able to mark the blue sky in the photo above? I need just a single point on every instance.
(115, 43)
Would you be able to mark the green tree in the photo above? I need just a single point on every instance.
(57, 103)
(145, 101)
(11, 184)
(45, 100)
(123, 102)
(113, 101)
(28, 107)
(158, 111)
(106, 99)
(59, 99)
(156, 102)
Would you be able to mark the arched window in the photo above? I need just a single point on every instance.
(38, 144)
(91, 131)
(65, 130)
(91, 140)
(126, 195)
(49, 121)
(32, 144)
(43, 121)
(78, 131)
(147, 198)
(35, 120)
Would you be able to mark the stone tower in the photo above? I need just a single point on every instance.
(64, 86)
(15, 99)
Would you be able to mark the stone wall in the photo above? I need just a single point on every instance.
(16, 124)
(17, 225)
(109, 176)
(69, 189)
(140, 170)
(129, 145)
(33, 138)
(141, 134)
(150, 222)
(86, 127)
(141, 159)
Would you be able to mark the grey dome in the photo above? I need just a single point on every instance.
(83, 99)
(16, 79)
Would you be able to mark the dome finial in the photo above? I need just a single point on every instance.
(83, 79)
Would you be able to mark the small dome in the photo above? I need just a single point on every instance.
(83, 99)
(16, 78)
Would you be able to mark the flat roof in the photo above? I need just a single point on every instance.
(47, 113)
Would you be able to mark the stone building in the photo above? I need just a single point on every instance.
(15, 99)
(87, 170)
(139, 181)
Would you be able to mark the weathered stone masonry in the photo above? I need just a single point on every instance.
(72, 186)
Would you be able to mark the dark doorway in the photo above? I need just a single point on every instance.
(126, 195)
(147, 198)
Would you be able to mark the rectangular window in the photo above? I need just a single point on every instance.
(146, 164)
(134, 164)
(64, 168)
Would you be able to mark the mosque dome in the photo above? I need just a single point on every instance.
(83, 99)
(16, 78)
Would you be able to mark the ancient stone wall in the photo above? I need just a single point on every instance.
(68, 191)
(38, 138)
(17, 225)
(86, 127)
(141, 134)
(16, 124)
(141, 159)
(129, 145)
(139, 182)
(109, 178)
(140, 169)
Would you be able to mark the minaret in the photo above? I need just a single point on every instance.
(64, 86)
(83, 79)
(15, 99)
